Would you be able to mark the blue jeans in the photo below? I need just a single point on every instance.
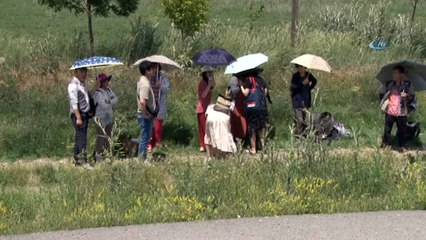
(146, 133)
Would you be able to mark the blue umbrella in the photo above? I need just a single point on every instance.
(213, 57)
(96, 62)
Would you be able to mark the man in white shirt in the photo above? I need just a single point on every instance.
(79, 111)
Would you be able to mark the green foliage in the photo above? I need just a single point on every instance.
(255, 14)
(189, 16)
(98, 7)
(144, 40)
(53, 196)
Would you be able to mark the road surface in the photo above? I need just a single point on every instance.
(380, 225)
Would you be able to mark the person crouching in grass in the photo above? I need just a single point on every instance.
(79, 111)
(395, 96)
(146, 107)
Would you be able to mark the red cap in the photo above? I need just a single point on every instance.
(103, 78)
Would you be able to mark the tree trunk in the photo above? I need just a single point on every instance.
(415, 2)
(294, 21)
(90, 28)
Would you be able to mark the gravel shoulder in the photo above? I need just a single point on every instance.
(377, 225)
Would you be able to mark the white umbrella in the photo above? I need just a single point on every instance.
(166, 63)
(311, 61)
(246, 63)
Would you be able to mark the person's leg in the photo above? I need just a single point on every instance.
(80, 152)
(108, 131)
(401, 124)
(76, 137)
(100, 141)
(387, 135)
(299, 118)
(252, 133)
(159, 131)
(261, 136)
(202, 129)
(209, 151)
(153, 137)
(146, 131)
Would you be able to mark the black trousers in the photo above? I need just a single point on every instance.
(80, 152)
(401, 124)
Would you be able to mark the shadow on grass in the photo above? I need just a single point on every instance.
(179, 133)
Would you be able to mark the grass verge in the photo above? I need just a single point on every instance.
(52, 197)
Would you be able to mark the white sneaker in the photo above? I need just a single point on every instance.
(87, 166)
(147, 163)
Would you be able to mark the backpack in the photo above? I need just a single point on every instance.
(413, 130)
(93, 106)
(412, 104)
(255, 101)
(324, 124)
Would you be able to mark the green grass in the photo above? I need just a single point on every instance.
(39, 46)
(52, 197)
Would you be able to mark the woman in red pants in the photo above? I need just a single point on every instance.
(161, 87)
(204, 97)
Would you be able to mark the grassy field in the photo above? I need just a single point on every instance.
(45, 197)
(39, 46)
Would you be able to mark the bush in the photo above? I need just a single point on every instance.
(143, 40)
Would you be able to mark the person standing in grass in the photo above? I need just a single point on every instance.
(161, 87)
(79, 111)
(302, 84)
(204, 97)
(396, 95)
(146, 107)
(238, 116)
(255, 91)
(105, 99)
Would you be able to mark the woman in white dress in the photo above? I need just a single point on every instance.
(218, 138)
(105, 99)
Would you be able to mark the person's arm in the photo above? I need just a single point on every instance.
(73, 95)
(114, 98)
(234, 86)
(245, 88)
(143, 93)
(204, 92)
(411, 92)
(313, 81)
(383, 91)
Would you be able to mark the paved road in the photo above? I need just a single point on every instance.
(381, 225)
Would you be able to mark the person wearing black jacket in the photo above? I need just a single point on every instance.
(302, 83)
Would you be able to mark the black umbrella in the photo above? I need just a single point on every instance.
(213, 57)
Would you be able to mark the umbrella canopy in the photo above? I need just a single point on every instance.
(246, 63)
(213, 57)
(414, 71)
(166, 63)
(96, 62)
(312, 62)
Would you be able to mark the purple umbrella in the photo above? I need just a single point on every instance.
(214, 57)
